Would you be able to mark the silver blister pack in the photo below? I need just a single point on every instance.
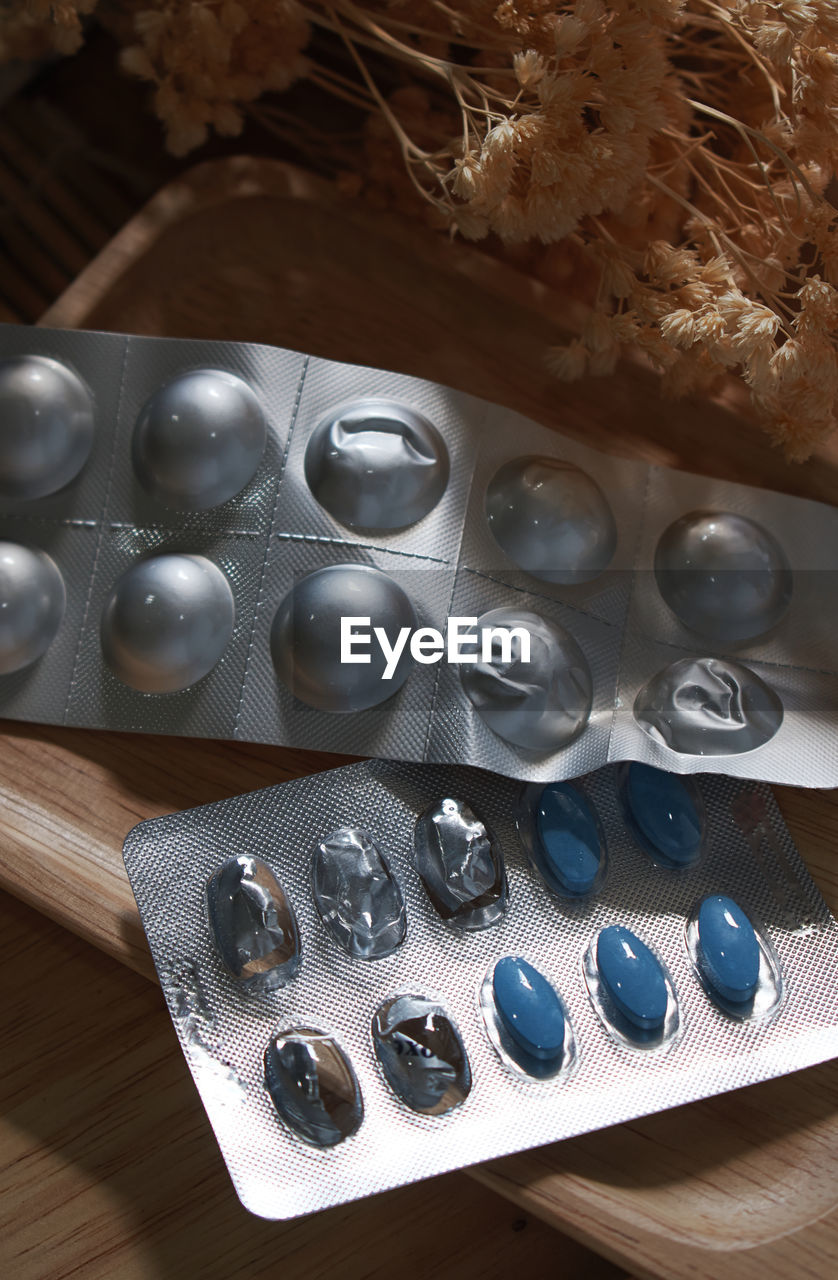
(187, 526)
(343, 1023)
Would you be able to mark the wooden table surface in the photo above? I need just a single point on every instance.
(110, 1168)
(743, 1185)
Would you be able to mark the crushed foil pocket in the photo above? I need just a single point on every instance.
(229, 540)
(387, 971)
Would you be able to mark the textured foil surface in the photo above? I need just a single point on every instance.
(450, 562)
(748, 856)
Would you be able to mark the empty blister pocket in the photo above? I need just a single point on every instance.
(386, 1053)
(373, 530)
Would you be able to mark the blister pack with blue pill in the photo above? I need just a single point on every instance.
(527, 1021)
(664, 812)
(561, 832)
(631, 989)
(229, 540)
(387, 971)
(734, 959)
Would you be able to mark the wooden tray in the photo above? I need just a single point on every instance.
(255, 250)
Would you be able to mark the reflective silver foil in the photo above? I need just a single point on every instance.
(460, 862)
(377, 465)
(224, 1032)
(199, 440)
(360, 903)
(707, 707)
(378, 495)
(46, 426)
(421, 1054)
(306, 637)
(542, 704)
(32, 603)
(167, 623)
(313, 1087)
(252, 924)
(723, 575)
(551, 519)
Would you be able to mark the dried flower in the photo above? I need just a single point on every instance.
(32, 28)
(679, 149)
(208, 58)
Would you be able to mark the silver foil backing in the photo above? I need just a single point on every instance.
(465, 509)
(223, 1032)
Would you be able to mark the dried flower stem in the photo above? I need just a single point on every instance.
(681, 149)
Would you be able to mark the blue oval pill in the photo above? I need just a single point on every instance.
(632, 977)
(529, 1008)
(728, 951)
(568, 839)
(667, 816)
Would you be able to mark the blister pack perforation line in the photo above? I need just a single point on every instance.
(232, 540)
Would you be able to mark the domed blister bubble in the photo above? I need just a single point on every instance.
(723, 576)
(377, 465)
(313, 1086)
(421, 1054)
(253, 925)
(708, 707)
(733, 959)
(357, 895)
(306, 637)
(198, 441)
(664, 812)
(463, 1044)
(379, 452)
(167, 622)
(526, 1020)
(47, 427)
(563, 837)
(631, 989)
(32, 603)
(460, 863)
(551, 519)
(540, 705)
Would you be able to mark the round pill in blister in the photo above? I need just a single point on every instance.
(708, 707)
(723, 575)
(46, 426)
(541, 704)
(319, 616)
(199, 440)
(552, 519)
(32, 601)
(377, 465)
(167, 622)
